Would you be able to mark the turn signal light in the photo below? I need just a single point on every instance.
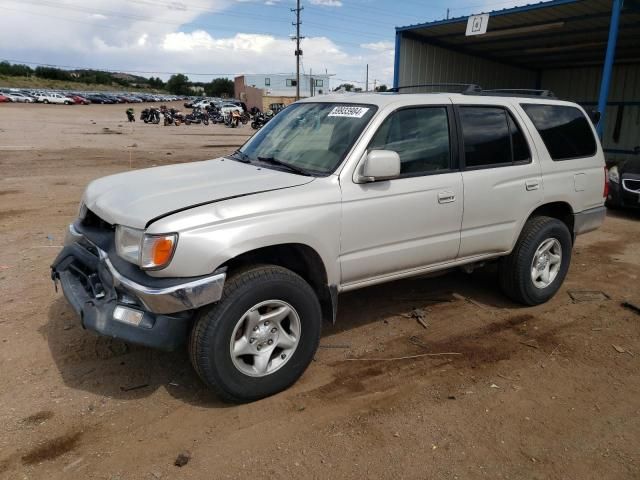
(157, 250)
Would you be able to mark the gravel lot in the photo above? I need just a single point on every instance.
(537, 393)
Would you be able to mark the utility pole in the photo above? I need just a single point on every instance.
(367, 84)
(297, 24)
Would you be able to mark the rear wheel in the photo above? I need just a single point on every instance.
(260, 337)
(537, 266)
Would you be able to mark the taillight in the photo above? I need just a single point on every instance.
(605, 193)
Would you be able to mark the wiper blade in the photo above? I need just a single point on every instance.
(240, 156)
(286, 165)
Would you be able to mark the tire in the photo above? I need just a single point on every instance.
(45, 101)
(187, 121)
(210, 343)
(516, 270)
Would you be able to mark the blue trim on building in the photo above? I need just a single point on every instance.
(505, 11)
(607, 68)
(396, 61)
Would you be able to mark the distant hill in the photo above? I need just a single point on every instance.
(18, 75)
(35, 82)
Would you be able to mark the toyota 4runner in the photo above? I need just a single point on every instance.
(243, 256)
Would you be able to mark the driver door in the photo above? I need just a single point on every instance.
(392, 227)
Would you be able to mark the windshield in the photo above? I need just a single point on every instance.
(314, 137)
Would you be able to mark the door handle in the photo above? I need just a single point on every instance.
(446, 197)
(532, 185)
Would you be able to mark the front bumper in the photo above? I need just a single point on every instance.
(625, 194)
(157, 314)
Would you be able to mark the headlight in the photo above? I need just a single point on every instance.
(614, 175)
(128, 243)
(149, 252)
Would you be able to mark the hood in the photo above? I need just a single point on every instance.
(136, 198)
(630, 166)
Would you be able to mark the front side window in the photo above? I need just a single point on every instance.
(420, 136)
(491, 137)
(311, 136)
(565, 130)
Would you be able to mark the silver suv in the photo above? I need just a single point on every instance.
(242, 257)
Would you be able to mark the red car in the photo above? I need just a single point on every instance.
(79, 100)
(4, 99)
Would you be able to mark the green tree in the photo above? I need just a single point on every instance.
(178, 84)
(219, 87)
(347, 86)
(381, 88)
(156, 82)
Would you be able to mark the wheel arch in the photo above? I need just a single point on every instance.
(300, 259)
(559, 210)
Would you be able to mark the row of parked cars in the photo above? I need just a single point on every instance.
(80, 98)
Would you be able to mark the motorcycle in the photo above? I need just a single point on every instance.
(131, 115)
(150, 115)
(233, 119)
(196, 116)
(172, 117)
(260, 120)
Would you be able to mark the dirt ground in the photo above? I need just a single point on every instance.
(551, 392)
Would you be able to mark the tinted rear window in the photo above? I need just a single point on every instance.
(565, 130)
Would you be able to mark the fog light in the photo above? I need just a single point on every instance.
(127, 315)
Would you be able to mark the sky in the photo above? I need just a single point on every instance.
(206, 39)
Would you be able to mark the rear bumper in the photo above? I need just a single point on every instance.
(112, 304)
(588, 220)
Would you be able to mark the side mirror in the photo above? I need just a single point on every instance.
(380, 165)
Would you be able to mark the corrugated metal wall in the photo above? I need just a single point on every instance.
(424, 63)
(583, 85)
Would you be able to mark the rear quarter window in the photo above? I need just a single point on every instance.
(565, 130)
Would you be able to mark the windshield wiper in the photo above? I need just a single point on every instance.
(286, 165)
(240, 156)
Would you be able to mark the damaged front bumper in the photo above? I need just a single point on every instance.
(156, 312)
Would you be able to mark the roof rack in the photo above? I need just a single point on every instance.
(466, 88)
(518, 92)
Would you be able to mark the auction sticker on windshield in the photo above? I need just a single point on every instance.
(351, 112)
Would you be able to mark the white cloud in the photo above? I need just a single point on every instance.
(145, 38)
(378, 46)
(327, 3)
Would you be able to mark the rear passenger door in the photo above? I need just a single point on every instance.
(501, 177)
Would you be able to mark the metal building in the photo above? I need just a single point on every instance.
(587, 51)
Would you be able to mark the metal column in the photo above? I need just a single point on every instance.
(607, 69)
(396, 61)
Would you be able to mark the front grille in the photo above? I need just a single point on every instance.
(94, 221)
(631, 185)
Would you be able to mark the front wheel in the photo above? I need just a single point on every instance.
(537, 266)
(260, 337)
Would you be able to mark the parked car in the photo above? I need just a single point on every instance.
(624, 183)
(17, 97)
(335, 194)
(226, 108)
(100, 99)
(78, 99)
(4, 99)
(52, 97)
